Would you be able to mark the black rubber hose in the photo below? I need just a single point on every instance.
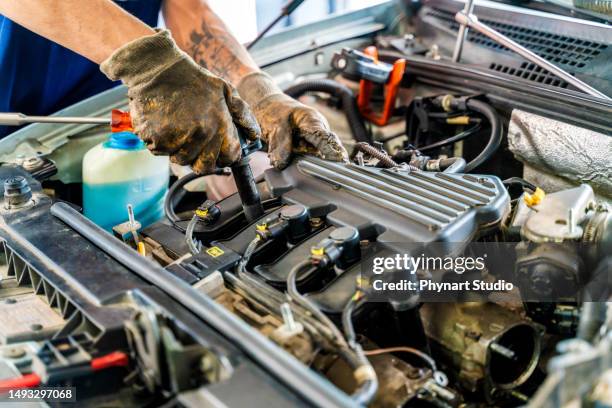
(176, 191)
(522, 182)
(495, 138)
(453, 139)
(282, 366)
(347, 99)
(496, 132)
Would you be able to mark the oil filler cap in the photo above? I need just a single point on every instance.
(17, 192)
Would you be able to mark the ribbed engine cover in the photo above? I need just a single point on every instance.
(395, 206)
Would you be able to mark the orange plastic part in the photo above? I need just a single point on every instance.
(25, 381)
(121, 121)
(391, 87)
(114, 359)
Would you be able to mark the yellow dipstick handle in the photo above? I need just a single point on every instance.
(141, 249)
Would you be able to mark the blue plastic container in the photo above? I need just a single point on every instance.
(119, 172)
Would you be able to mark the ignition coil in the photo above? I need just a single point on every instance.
(208, 213)
(293, 222)
(341, 248)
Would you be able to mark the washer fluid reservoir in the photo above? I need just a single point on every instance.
(119, 172)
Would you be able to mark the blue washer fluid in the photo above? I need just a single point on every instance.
(119, 172)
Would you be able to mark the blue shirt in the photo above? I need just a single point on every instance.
(39, 77)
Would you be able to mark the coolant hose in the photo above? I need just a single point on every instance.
(496, 132)
(347, 99)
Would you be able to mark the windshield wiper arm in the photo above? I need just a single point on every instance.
(468, 20)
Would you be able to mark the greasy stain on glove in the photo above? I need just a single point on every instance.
(287, 124)
(179, 108)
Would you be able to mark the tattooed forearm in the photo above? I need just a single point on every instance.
(204, 36)
(195, 49)
(216, 50)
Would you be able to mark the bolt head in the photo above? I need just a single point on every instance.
(13, 352)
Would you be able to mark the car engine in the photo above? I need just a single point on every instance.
(268, 296)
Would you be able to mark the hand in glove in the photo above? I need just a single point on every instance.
(179, 108)
(286, 123)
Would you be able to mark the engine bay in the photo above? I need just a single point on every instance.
(266, 297)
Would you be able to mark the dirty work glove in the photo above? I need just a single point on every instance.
(179, 108)
(287, 124)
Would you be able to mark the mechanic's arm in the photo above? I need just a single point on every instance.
(178, 108)
(91, 28)
(200, 32)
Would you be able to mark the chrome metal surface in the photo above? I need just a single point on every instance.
(18, 119)
(463, 31)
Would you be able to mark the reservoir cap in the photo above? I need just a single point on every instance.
(124, 141)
